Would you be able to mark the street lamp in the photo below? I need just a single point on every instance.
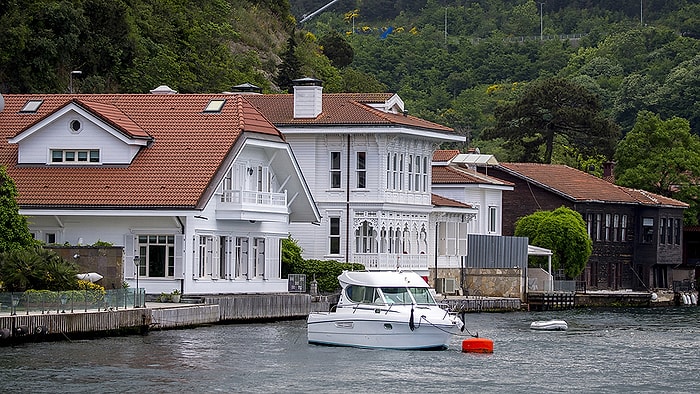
(137, 295)
(75, 72)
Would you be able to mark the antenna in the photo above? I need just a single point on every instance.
(318, 11)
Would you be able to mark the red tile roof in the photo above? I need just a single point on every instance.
(440, 201)
(443, 155)
(580, 186)
(458, 175)
(173, 172)
(338, 109)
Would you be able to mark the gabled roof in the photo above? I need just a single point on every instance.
(339, 109)
(458, 175)
(579, 186)
(175, 171)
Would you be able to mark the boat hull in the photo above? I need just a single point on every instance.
(549, 325)
(382, 330)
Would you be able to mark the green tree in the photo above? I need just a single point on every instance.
(290, 68)
(14, 232)
(337, 49)
(562, 231)
(662, 157)
(554, 111)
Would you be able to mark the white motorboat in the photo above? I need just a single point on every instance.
(387, 309)
(549, 325)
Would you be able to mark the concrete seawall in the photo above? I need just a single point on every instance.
(35, 326)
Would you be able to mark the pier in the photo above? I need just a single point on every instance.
(548, 301)
(481, 304)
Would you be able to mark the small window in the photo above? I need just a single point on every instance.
(32, 106)
(72, 156)
(647, 230)
(215, 106)
(75, 126)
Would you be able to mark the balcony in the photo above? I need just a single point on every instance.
(389, 262)
(252, 205)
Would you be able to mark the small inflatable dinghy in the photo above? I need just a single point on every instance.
(549, 325)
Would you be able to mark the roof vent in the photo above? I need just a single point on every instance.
(246, 88)
(308, 97)
(163, 89)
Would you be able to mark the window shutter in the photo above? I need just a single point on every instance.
(179, 272)
(195, 257)
(216, 258)
(128, 256)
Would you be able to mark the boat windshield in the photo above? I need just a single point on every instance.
(407, 295)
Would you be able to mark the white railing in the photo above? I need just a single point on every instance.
(247, 197)
(389, 262)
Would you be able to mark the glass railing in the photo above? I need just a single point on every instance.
(44, 301)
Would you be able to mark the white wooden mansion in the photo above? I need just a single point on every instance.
(369, 165)
(199, 189)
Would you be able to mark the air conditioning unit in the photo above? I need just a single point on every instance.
(446, 286)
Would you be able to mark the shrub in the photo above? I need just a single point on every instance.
(326, 273)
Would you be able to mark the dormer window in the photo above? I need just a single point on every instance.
(215, 106)
(31, 106)
(62, 156)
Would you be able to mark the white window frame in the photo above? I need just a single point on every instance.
(334, 235)
(335, 172)
(361, 169)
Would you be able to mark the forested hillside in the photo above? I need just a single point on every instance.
(136, 45)
(560, 81)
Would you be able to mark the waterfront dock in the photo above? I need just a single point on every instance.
(35, 325)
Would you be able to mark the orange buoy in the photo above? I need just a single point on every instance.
(477, 345)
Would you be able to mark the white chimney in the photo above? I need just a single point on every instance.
(308, 102)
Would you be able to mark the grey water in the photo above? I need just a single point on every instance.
(643, 350)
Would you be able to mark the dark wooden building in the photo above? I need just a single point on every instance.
(637, 235)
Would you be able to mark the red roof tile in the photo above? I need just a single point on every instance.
(440, 201)
(580, 186)
(338, 109)
(188, 147)
(443, 155)
(458, 175)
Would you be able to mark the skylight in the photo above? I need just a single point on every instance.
(31, 106)
(215, 105)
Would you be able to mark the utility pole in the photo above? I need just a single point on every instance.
(641, 13)
(445, 24)
(541, 36)
(70, 84)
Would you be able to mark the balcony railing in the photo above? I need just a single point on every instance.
(247, 197)
(389, 262)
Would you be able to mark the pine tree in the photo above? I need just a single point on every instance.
(290, 68)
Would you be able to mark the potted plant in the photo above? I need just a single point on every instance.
(175, 296)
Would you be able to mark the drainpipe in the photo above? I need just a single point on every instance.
(347, 205)
(436, 252)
